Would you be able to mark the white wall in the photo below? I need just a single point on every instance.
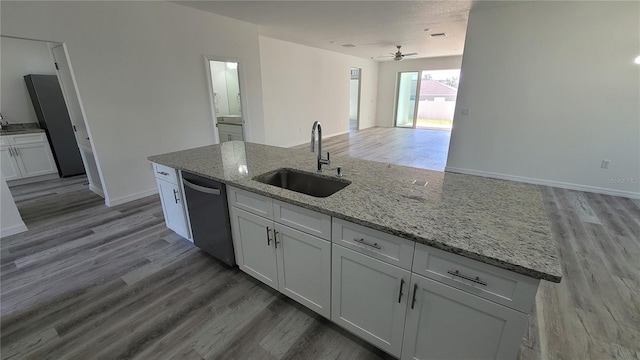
(10, 220)
(19, 58)
(388, 77)
(310, 84)
(141, 74)
(552, 91)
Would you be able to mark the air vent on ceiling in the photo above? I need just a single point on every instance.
(439, 35)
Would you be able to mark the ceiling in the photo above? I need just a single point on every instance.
(374, 27)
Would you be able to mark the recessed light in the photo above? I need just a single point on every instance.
(439, 35)
(348, 45)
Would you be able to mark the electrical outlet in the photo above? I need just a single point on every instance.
(605, 164)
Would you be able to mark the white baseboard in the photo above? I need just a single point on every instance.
(97, 190)
(33, 179)
(12, 230)
(324, 137)
(125, 199)
(558, 184)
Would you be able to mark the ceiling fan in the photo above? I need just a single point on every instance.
(398, 56)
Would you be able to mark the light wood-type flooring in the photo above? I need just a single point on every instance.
(421, 148)
(89, 282)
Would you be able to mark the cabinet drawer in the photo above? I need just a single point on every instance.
(499, 285)
(391, 249)
(305, 220)
(29, 138)
(248, 201)
(234, 129)
(165, 173)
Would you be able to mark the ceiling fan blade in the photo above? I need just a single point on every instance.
(384, 56)
(410, 54)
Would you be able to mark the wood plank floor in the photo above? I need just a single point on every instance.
(89, 282)
(421, 148)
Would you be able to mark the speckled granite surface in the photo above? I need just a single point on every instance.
(498, 222)
(24, 128)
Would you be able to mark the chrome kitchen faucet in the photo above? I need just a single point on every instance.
(313, 145)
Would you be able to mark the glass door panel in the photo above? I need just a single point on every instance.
(406, 100)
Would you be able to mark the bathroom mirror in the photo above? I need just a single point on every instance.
(226, 88)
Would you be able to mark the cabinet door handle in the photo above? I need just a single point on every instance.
(175, 195)
(364, 242)
(413, 301)
(275, 238)
(400, 294)
(466, 277)
(10, 153)
(268, 237)
(229, 137)
(15, 150)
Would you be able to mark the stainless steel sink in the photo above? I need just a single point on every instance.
(303, 182)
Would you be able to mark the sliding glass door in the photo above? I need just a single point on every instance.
(406, 101)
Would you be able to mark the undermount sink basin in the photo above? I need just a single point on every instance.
(303, 182)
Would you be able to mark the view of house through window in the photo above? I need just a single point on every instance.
(437, 101)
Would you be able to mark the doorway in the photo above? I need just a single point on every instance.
(426, 99)
(354, 99)
(226, 99)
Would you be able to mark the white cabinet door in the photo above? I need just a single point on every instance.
(10, 169)
(173, 208)
(304, 268)
(254, 246)
(447, 323)
(35, 159)
(369, 298)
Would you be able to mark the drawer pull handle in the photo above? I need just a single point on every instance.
(363, 242)
(163, 173)
(275, 238)
(400, 294)
(475, 280)
(413, 301)
(268, 236)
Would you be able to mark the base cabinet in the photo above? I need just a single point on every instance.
(172, 207)
(25, 156)
(446, 323)
(10, 169)
(369, 298)
(295, 263)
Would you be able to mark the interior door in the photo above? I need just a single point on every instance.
(407, 99)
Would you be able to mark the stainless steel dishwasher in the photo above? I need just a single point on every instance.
(209, 216)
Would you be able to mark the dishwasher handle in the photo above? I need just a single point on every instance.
(200, 188)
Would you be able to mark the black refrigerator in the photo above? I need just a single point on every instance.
(52, 114)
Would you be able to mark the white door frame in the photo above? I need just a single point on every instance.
(243, 96)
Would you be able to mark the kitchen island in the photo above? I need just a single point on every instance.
(460, 225)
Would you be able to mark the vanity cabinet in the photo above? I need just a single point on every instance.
(171, 197)
(447, 323)
(26, 155)
(289, 258)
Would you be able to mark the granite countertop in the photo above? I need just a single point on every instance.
(16, 129)
(498, 222)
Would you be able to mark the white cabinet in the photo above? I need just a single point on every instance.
(10, 169)
(26, 155)
(369, 298)
(254, 246)
(230, 132)
(171, 197)
(289, 260)
(447, 323)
